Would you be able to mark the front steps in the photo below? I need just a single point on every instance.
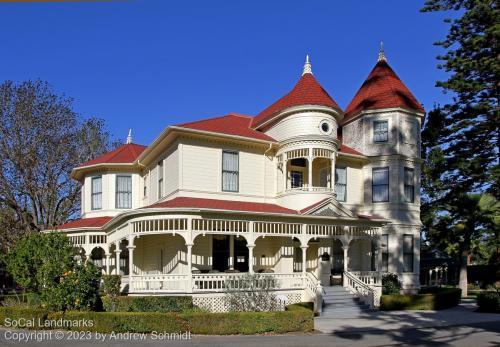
(339, 303)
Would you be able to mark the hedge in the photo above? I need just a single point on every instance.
(430, 299)
(295, 318)
(488, 301)
(147, 303)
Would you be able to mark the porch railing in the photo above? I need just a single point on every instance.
(369, 293)
(368, 277)
(215, 282)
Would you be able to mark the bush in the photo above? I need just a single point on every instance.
(253, 292)
(489, 301)
(112, 284)
(391, 284)
(296, 318)
(148, 304)
(77, 290)
(26, 300)
(431, 299)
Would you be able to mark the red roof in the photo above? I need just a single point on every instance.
(307, 91)
(231, 124)
(382, 89)
(187, 202)
(95, 222)
(124, 154)
(348, 150)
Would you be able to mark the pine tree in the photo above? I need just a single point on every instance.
(460, 140)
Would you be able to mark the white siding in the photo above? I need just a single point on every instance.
(301, 124)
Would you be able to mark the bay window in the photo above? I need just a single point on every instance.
(96, 192)
(380, 184)
(123, 191)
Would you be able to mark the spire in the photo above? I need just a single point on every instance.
(307, 66)
(381, 53)
(129, 137)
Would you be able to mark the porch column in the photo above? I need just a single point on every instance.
(304, 258)
(346, 256)
(108, 260)
(189, 247)
(130, 266)
(285, 173)
(231, 252)
(310, 173)
(250, 258)
(332, 174)
(130, 248)
(117, 258)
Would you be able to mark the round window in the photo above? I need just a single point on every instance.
(325, 127)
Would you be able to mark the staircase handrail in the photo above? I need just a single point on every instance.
(370, 294)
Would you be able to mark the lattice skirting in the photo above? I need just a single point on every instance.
(217, 302)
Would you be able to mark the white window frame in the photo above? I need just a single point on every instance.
(409, 253)
(385, 168)
(407, 186)
(236, 172)
(93, 193)
(344, 185)
(375, 133)
(123, 192)
(160, 175)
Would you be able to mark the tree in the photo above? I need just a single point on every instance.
(460, 140)
(38, 259)
(45, 264)
(41, 140)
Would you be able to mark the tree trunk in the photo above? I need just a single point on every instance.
(462, 282)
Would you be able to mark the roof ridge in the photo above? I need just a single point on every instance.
(213, 118)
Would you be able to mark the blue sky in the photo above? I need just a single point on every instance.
(148, 64)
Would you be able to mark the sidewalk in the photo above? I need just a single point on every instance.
(463, 314)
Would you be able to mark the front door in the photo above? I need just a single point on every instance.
(220, 253)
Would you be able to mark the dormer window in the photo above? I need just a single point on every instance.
(123, 192)
(96, 192)
(380, 131)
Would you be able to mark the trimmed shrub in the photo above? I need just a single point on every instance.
(295, 318)
(22, 315)
(431, 299)
(112, 284)
(147, 303)
(488, 301)
(390, 284)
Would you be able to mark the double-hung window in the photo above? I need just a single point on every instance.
(160, 179)
(384, 249)
(380, 184)
(380, 131)
(145, 185)
(230, 171)
(409, 185)
(341, 183)
(123, 191)
(96, 192)
(407, 253)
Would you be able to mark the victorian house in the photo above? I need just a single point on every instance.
(304, 191)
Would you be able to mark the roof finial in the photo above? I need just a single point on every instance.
(381, 53)
(307, 66)
(129, 137)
